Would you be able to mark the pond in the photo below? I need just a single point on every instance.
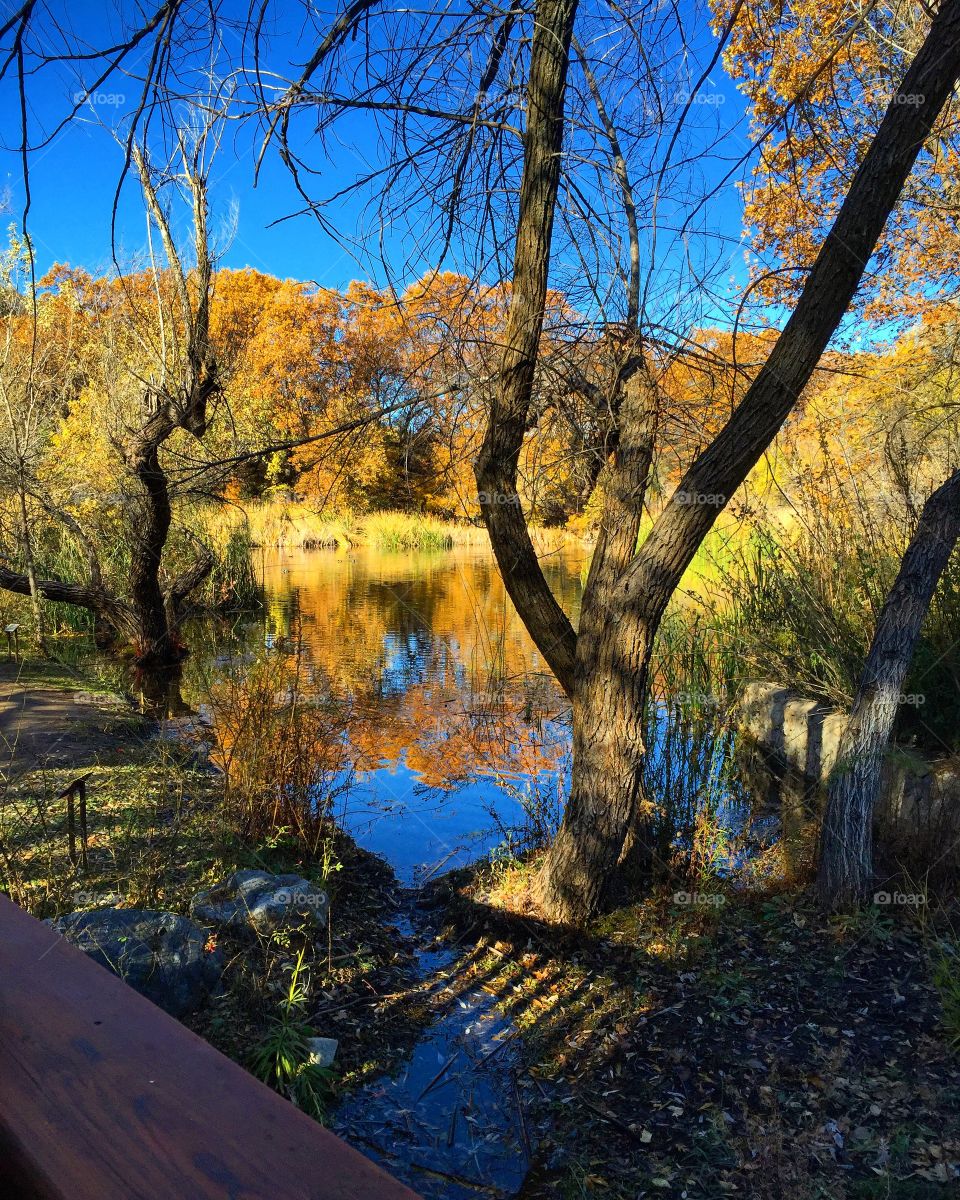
(460, 742)
(458, 739)
(458, 730)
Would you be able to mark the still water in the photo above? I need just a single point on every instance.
(457, 729)
(459, 741)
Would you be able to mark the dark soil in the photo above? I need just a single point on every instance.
(745, 1046)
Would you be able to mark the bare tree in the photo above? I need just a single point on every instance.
(466, 130)
(606, 802)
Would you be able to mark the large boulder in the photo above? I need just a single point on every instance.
(163, 956)
(263, 902)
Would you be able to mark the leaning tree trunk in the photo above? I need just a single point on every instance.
(846, 839)
(496, 466)
(583, 862)
(156, 647)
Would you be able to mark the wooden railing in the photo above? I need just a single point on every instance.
(105, 1097)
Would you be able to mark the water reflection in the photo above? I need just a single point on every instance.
(451, 1123)
(457, 728)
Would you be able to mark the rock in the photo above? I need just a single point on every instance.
(323, 1051)
(794, 744)
(263, 902)
(160, 954)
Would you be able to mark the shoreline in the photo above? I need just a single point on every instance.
(750, 1046)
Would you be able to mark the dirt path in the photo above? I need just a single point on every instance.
(49, 720)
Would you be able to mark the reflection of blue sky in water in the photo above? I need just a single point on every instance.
(423, 830)
(449, 1123)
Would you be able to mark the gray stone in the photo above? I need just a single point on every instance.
(323, 1051)
(798, 741)
(263, 902)
(159, 954)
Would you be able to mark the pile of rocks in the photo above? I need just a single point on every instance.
(172, 960)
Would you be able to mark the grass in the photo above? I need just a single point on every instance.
(233, 584)
(281, 748)
(282, 1057)
(281, 524)
(160, 830)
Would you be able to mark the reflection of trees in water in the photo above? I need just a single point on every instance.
(437, 666)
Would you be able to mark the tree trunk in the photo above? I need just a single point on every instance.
(575, 879)
(27, 546)
(496, 467)
(606, 807)
(109, 612)
(155, 645)
(846, 839)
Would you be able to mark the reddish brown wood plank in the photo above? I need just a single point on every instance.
(103, 1095)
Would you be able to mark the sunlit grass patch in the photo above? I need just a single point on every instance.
(407, 531)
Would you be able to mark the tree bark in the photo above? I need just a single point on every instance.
(107, 609)
(496, 466)
(582, 864)
(846, 838)
(149, 539)
(26, 542)
(610, 680)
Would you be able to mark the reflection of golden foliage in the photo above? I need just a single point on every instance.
(440, 673)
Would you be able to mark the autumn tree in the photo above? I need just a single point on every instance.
(819, 79)
(163, 378)
(452, 132)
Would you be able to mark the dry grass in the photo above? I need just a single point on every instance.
(281, 524)
(282, 751)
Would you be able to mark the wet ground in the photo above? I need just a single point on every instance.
(451, 1122)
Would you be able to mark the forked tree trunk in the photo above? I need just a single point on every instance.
(582, 865)
(610, 683)
(846, 839)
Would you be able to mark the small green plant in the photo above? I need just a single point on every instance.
(946, 978)
(869, 924)
(282, 1057)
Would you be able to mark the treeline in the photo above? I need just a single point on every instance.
(404, 382)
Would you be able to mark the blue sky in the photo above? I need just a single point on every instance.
(73, 179)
